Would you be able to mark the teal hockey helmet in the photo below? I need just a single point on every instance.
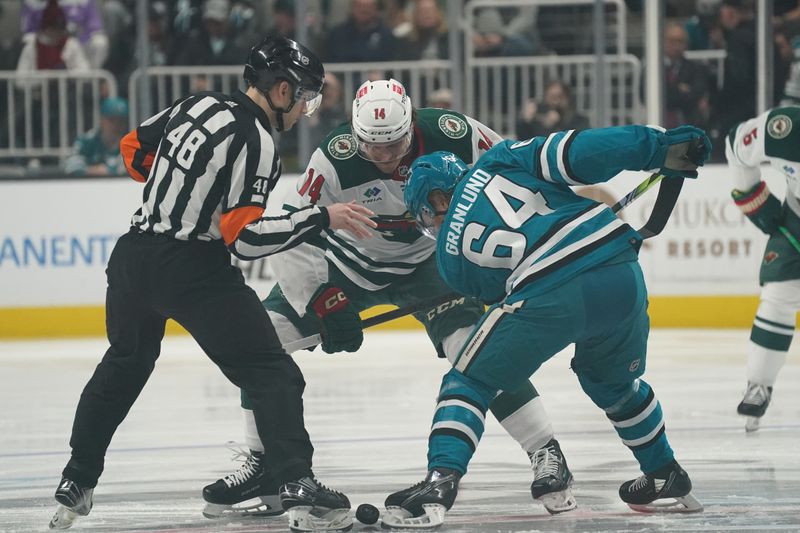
(438, 171)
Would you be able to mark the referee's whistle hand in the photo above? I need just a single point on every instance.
(352, 217)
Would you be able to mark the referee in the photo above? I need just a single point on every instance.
(209, 164)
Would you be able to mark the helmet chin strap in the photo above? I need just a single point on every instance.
(279, 111)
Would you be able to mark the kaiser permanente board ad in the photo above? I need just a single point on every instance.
(56, 238)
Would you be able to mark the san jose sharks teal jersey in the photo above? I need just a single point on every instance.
(516, 229)
(336, 173)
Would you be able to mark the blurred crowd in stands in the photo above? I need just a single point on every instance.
(79, 35)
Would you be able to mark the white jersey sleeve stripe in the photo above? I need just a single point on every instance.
(562, 168)
(545, 166)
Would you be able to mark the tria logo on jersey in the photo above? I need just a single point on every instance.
(372, 195)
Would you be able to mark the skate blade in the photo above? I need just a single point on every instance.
(684, 504)
(558, 502)
(63, 518)
(261, 507)
(752, 424)
(399, 518)
(301, 519)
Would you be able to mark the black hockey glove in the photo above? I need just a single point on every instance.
(341, 327)
(683, 150)
(760, 206)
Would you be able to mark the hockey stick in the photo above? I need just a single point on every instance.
(424, 305)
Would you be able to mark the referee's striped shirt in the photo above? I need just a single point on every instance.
(209, 163)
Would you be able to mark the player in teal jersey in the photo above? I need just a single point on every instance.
(558, 269)
(321, 288)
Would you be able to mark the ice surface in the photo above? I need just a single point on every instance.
(368, 415)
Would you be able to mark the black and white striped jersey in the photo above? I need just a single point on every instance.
(209, 163)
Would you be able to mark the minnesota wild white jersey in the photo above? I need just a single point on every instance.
(336, 173)
(516, 229)
(774, 138)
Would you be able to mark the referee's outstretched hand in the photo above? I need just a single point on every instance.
(352, 217)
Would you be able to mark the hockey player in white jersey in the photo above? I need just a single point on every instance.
(774, 138)
(322, 288)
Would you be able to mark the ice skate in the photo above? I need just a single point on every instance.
(314, 507)
(552, 479)
(754, 404)
(665, 490)
(423, 506)
(250, 491)
(73, 501)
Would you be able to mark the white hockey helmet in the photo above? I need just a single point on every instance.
(382, 121)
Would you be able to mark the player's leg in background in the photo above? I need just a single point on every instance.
(770, 338)
(610, 357)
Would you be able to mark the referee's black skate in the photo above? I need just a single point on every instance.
(250, 491)
(754, 404)
(73, 501)
(314, 507)
(423, 506)
(552, 479)
(667, 489)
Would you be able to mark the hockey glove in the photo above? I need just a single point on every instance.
(341, 328)
(683, 150)
(760, 206)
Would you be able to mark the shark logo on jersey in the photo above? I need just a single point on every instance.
(452, 126)
(779, 127)
(342, 147)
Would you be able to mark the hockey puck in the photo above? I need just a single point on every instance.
(367, 514)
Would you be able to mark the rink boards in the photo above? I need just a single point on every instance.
(56, 237)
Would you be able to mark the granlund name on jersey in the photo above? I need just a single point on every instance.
(772, 137)
(336, 173)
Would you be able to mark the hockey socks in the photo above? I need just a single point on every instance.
(458, 421)
(522, 415)
(640, 424)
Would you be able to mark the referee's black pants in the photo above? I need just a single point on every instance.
(152, 278)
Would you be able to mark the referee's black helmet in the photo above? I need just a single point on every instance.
(278, 58)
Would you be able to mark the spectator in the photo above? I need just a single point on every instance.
(96, 152)
(396, 15)
(428, 36)
(51, 47)
(331, 112)
(736, 100)
(441, 98)
(213, 44)
(490, 39)
(83, 20)
(162, 51)
(687, 84)
(248, 20)
(703, 28)
(555, 114)
(283, 17)
(362, 37)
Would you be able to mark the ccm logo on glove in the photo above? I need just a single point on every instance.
(331, 300)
